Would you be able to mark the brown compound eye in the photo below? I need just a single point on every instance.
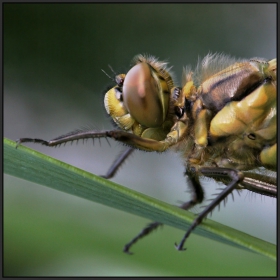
(143, 97)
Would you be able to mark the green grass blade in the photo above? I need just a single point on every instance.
(36, 167)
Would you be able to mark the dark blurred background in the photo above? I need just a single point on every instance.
(53, 84)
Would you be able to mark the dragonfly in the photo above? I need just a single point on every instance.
(221, 120)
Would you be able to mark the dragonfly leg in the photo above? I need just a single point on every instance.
(197, 197)
(145, 231)
(129, 139)
(69, 137)
(260, 183)
(32, 140)
(235, 177)
(117, 163)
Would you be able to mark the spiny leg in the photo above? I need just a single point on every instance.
(85, 134)
(235, 177)
(197, 197)
(257, 182)
(69, 137)
(145, 231)
(117, 163)
(129, 139)
(82, 134)
(260, 183)
(32, 140)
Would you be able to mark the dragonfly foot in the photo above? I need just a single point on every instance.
(180, 247)
(126, 250)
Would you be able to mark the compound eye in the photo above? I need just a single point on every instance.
(142, 96)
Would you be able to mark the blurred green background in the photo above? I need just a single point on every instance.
(53, 84)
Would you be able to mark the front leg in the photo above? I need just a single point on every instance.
(118, 135)
(176, 133)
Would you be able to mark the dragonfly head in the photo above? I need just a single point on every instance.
(142, 99)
